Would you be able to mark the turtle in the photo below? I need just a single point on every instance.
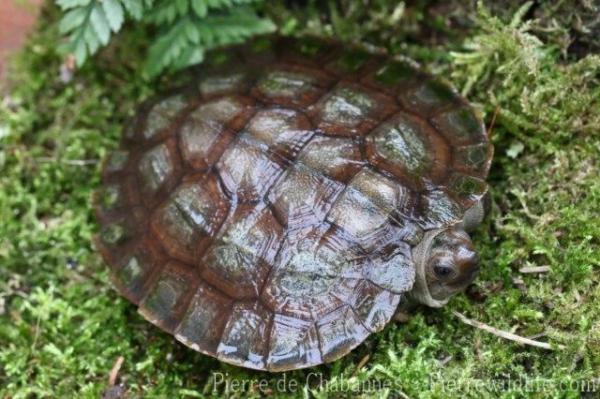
(282, 203)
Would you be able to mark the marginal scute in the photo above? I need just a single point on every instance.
(428, 96)
(119, 230)
(131, 127)
(169, 295)
(221, 57)
(340, 332)
(293, 342)
(395, 73)
(460, 126)
(308, 51)
(347, 106)
(349, 61)
(220, 110)
(136, 269)
(111, 197)
(203, 323)
(373, 305)
(467, 189)
(259, 52)
(156, 168)
(244, 340)
(115, 197)
(284, 84)
(290, 86)
(473, 159)
(222, 83)
(350, 110)
(437, 209)
(162, 115)
(119, 234)
(116, 161)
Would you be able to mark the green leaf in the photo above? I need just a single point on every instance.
(199, 7)
(135, 8)
(100, 24)
(187, 39)
(67, 4)
(182, 6)
(190, 56)
(187, 27)
(72, 19)
(91, 39)
(192, 33)
(114, 14)
(80, 52)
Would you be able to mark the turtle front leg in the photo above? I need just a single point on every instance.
(404, 310)
(477, 213)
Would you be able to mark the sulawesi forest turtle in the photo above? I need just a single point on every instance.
(276, 210)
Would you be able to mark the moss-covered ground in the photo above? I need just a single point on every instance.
(532, 73)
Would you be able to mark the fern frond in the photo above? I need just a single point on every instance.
(186, 41)
(89, 24)
(187, 28)
(166, 12)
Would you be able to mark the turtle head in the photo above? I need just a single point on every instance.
(446, 263)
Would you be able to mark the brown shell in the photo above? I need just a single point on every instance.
(265, 214)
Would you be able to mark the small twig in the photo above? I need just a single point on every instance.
(71, 162)
(493, 121)
(534, 269)
(112, 377)
(80, 162)
(538, 335)
(361, 364)
(446, 360)
(503, 334)
(402, 395)
(519, 282)
(36, 332)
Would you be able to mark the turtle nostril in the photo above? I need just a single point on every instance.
(468, 272)
(467, 255)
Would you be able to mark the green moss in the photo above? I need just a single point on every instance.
(62, 327)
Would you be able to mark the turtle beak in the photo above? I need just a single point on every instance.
(467, 265)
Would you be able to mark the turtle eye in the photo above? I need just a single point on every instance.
(444, 271)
